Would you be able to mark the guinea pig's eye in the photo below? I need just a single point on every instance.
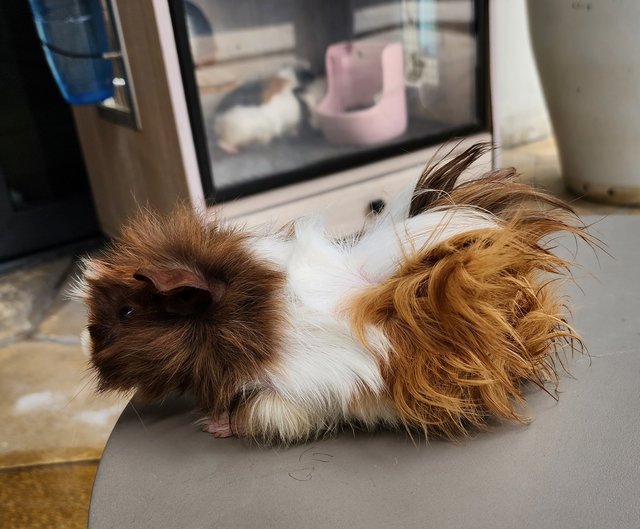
(126, 313)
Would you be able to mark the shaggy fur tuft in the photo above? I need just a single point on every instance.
(468, 321)
(472, 318)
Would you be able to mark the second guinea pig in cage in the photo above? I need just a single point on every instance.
(276, 112)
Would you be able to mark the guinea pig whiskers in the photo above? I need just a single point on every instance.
(84, 386)
(136, 412)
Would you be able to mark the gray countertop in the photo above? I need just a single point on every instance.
(577, 465)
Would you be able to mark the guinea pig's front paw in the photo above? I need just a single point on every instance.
(219, 427)
(228, 148)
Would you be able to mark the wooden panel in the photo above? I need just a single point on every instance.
(128, 167)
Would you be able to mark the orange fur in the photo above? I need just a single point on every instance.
(472, 318)
(273, 87)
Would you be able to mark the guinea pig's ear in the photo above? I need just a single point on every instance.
(183, 291)
(165, 280)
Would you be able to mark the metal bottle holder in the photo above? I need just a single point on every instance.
(122, 107)
(84, 77)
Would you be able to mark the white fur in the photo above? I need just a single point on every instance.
(312, 96)
(323, 368)
(78, 290)
(385, 245)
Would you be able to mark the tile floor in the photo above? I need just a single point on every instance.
(54, 427)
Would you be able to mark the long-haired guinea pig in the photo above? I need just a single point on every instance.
(430, 319)
(276, 114)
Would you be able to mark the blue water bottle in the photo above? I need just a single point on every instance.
(75, 42)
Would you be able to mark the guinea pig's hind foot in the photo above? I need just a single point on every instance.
(219, 427)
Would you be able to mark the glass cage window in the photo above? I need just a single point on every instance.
(293, 87)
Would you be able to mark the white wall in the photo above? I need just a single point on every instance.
(521, 113)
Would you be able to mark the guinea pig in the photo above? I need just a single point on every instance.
(277, 114)
(430, 319)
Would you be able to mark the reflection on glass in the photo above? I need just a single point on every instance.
(285, 85)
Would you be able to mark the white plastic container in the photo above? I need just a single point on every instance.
(587, 56)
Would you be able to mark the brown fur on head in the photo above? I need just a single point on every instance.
(176, 304)
(472, 318)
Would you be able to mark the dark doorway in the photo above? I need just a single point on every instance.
(44, 193)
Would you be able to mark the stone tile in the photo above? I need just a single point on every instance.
(26, 294)
(546, 146)
(523, 162)
(66, 318)
(539, 165)
(46, 496)
(543, 147)
(64, 323)
(49, 410)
